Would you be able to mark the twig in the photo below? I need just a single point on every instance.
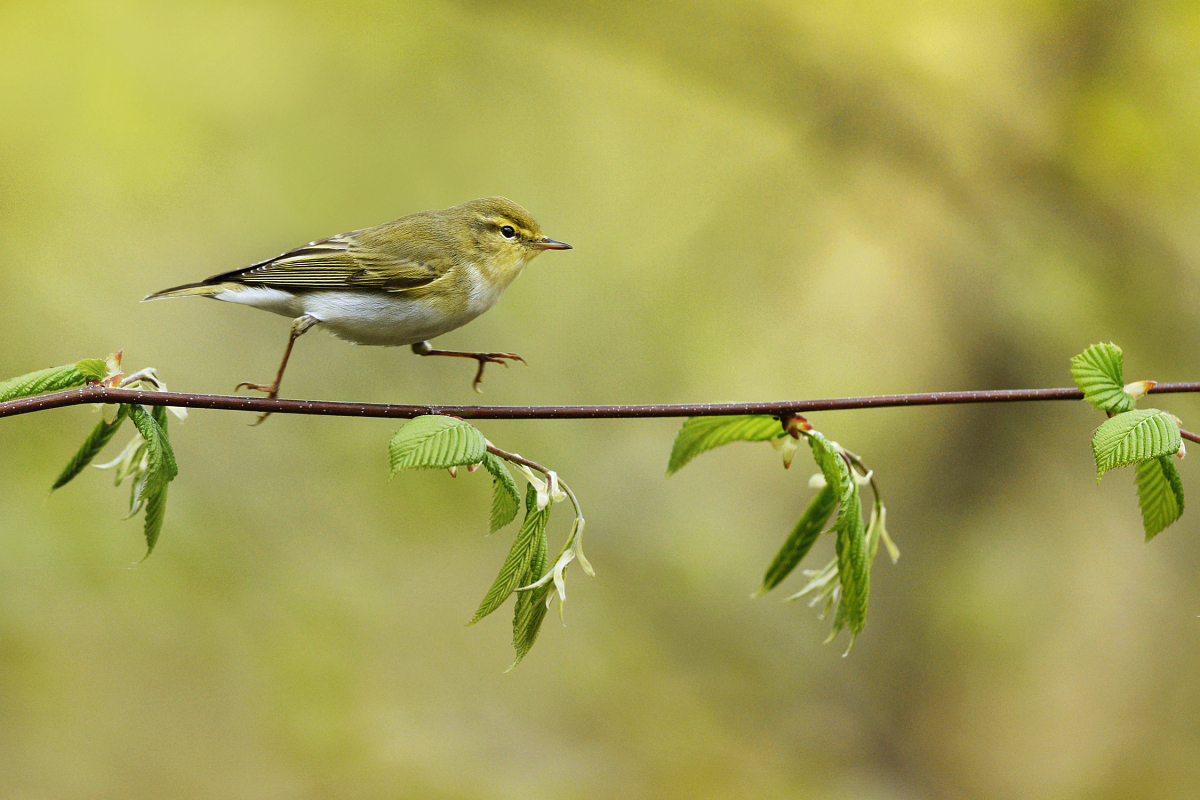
(101, 394)
(516, 459)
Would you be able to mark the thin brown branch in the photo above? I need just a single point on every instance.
(101, 394)
(516, 459)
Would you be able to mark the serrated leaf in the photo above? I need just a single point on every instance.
(54, 379)
(700, 434)
(530, 608)
(91, 447)
(520, 556)
(156, 512)
(854, 569)
(853, 548)
(802, 538)
(136, 498)
(159, 415)
(527, 622)
(150, 488)
(1098, 373)
(833, 467)
(162, 468)
(1137, 435)
(506, 500)
(436, 442)
(92, 369)
(1160, 494)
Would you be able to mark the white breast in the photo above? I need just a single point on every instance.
(379, 318)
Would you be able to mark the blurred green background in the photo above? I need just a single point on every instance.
(767, 200)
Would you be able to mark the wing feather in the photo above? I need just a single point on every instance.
(340, 262)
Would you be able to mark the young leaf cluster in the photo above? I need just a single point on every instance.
(440, 442)
(844, 583)
(148, 459)
(1143, 437)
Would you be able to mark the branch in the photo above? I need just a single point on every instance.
(843, 583)
(101, 394)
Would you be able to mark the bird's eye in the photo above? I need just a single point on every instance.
(508, 232)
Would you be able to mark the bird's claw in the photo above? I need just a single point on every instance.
(272, 390)
(491, 358)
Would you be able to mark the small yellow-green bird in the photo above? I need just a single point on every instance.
(402, 282)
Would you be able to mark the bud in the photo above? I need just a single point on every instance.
(786, 446)
(113, 363)
(795, 425)
(538, 484)
(556, 494)
(1139, 388)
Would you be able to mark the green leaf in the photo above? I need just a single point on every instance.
(159, 415)
(854, 570)
(524, 550)
(1137, 435)
(156, 512)
(853, 547)
(506, 500)
(833, 467)
(1098, 372)
(530, 608)
(137, 491)
(699, 434)
(436, 442)
(162, 468)
(92, 369)
(527, 621)
(1160, 494)
(91, 447)
(54, 379)
(801, 540)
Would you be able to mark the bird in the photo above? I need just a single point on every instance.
(402, 282)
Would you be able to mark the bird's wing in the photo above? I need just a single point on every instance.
(340, 262)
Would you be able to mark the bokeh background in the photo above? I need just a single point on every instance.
(768, 200)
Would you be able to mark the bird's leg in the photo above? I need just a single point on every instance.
(299, 326)
(425, 349)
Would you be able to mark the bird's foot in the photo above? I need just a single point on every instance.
(424, 349)
(272, 390)
(491, 358)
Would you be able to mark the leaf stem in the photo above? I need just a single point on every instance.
(574, 543)
(516, 459)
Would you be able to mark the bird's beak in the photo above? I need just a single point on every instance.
(549, 244)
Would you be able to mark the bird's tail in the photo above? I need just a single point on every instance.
(188, 290)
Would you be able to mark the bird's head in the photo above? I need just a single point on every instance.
(503, 234)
